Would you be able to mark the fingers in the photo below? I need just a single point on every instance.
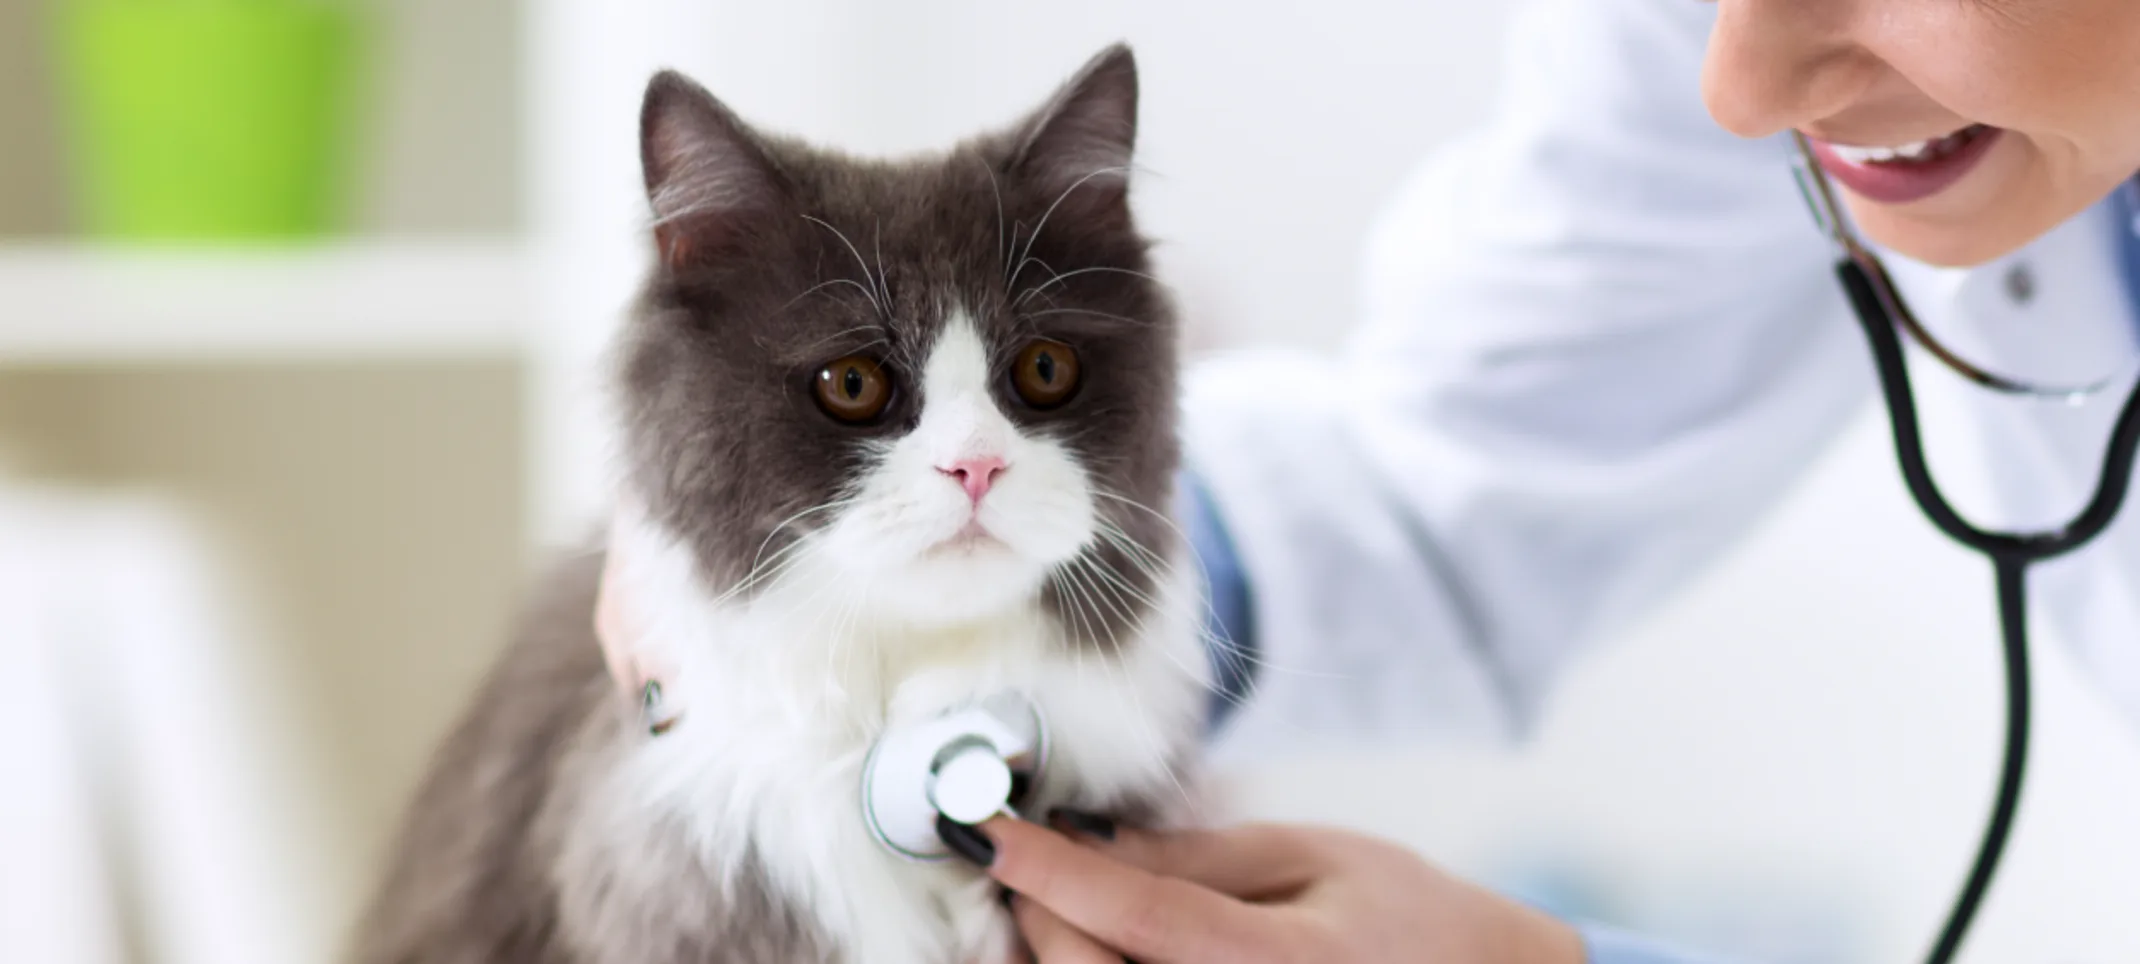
(1054, 942)
(612, 624)
(609, 630)
(633, 658)
(1255, 862)
(1154, 919)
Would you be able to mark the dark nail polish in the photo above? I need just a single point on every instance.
(967, 841)
(1078, 821)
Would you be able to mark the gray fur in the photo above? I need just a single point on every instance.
(716, 367)
(499, 861)
(510, 853)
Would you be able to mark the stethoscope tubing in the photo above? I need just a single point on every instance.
(2111, 485)
(2011, 554)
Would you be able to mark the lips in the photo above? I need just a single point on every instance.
(1909, 172)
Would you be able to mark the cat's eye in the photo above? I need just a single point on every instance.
(854, 389)
(1045, 373)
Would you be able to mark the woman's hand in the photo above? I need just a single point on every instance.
(637, 667)
(1257, 894)
(613, 622)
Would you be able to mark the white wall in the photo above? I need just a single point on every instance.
(1793, 760)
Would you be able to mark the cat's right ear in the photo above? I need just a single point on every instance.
(707, 178)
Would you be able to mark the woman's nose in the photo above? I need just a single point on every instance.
(1773, 65)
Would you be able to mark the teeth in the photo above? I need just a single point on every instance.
(1924, 150)
(1863, 155)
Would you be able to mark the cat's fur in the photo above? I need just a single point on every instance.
(805, 582)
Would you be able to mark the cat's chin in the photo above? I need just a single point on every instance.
(962, 580)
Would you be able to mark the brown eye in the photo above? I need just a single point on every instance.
(854, 389)
(1045, 373)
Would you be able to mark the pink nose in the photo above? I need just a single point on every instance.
(974, 475)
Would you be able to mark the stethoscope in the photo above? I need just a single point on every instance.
(923, 781)
(1881, 312)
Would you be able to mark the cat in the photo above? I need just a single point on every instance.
(896, 435)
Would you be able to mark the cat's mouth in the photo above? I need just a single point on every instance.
(971, 538)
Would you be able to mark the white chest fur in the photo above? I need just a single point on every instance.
(781, 700)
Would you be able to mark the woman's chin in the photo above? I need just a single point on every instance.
(1939, 244)
(2008, 202)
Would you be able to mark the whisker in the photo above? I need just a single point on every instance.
(1076, 601)
(1022, 262)
(1157, 745)
(1066, 275)
(1148, 569)
(1003, 251)
(851, 249)
(840, 638)
(1149, 558)
(822, 285)
(761, 568)
(1064, 588)
(777, 568)
(1086, 562)
(875, 654)
(1077, 650)
(797, 517)
(884, 283)
(1204, 679)
(1087, 311)
(1253, 685)
(1114, 588)
(1012, 282)
(819, 621)
(1209, 617)
(879, 340)
(1016, 226)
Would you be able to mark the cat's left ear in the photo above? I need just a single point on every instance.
(707, 177)
(1077, 147)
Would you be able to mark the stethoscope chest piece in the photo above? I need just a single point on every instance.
(966, 765)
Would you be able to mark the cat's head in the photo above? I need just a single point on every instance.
(943, 386)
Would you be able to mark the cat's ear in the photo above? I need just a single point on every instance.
(707, 177)
(1077, 147)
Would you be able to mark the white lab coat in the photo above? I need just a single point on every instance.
(1601, 337)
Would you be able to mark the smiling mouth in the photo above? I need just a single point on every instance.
(1914, 152)
(1906, 172)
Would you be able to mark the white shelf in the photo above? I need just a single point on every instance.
(81, 304)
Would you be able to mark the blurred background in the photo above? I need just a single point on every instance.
(283, 430)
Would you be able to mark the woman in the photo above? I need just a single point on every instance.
(1600, 339)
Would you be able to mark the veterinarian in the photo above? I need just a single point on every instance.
(1601, 337)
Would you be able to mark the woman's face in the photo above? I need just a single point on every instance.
(1988, 122)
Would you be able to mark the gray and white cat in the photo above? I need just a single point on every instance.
(899, 435)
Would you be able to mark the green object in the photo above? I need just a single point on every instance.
(207, 119)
